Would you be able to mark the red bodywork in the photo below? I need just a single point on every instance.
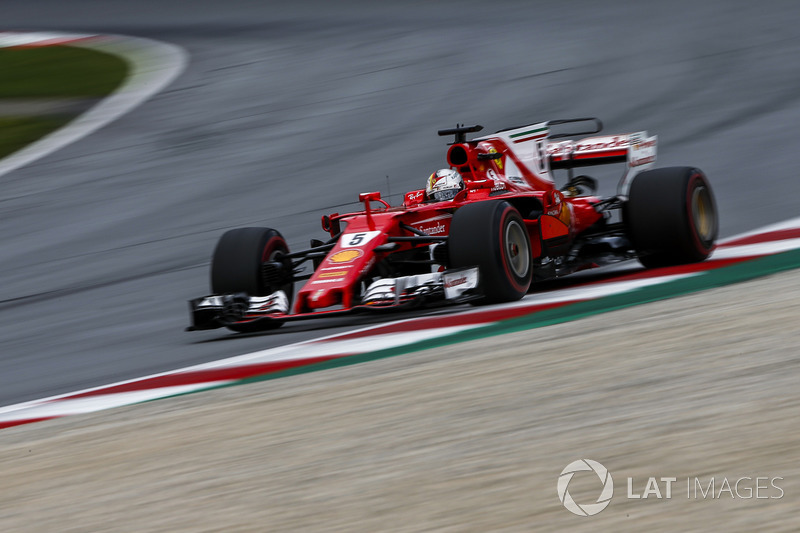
(513, 166)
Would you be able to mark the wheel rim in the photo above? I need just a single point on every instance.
(272, 254)
(273, 251)
(276, 254)
(703, 214)
(517, 249)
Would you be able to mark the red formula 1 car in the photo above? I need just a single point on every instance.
(481, 232)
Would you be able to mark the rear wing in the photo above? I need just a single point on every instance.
(635, 149)
(540, 148)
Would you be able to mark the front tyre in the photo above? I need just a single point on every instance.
(236, 267)
(492, 236)
(671, 216)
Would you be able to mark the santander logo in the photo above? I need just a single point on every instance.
(434, 230)
(456, 282)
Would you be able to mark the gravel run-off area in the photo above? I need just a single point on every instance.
(471, 437)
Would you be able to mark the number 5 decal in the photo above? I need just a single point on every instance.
(352, 240)
(355, 239)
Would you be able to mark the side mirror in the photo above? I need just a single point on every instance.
(369, 196)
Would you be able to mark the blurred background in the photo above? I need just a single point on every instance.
(287, 111)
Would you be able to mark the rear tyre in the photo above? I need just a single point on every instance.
(237, 267)
(492, 236)
(671, 216)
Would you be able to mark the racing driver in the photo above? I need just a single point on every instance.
(443, 185)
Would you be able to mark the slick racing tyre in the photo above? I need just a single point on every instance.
(236, 267)
(492, 236)
(671, 216)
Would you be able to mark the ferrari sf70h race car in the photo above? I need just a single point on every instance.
(504, 225)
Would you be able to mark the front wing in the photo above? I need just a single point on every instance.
(239, 309)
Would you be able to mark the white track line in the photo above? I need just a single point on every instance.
(39, 38)
(792, 223)
(90, 404)
(762, 248)
(590, 291)
(153, 64)
(333, 347)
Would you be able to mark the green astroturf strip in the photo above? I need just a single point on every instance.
(17, 132)
(704, 280)
(59, 71)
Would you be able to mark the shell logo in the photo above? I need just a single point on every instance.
(345, 256)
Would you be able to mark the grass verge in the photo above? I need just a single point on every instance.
(18, 132)
(59, 72)
(50, 73)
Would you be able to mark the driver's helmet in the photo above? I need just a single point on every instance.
(443, 185)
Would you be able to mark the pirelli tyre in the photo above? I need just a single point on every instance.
(237, 267)
(671, 216)
(492, 236)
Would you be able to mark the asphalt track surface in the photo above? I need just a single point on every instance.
(287, 112)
